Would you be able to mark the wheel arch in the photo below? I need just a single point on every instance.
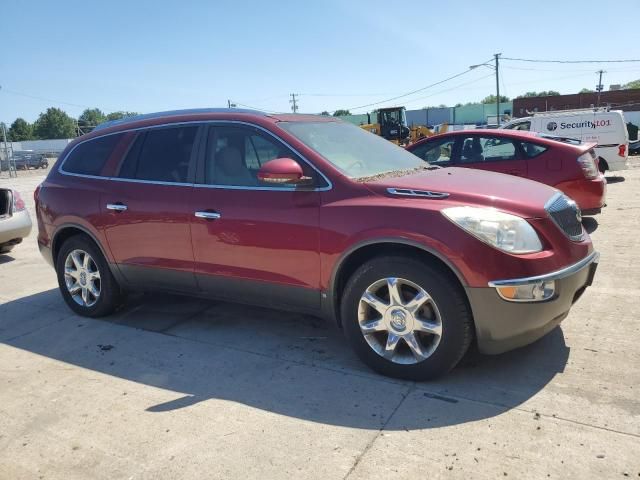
(362, 252)
(68, 230)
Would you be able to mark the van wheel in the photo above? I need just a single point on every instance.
(405, 318)
(85, 280)
(603, 166)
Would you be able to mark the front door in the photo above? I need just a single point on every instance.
(146, 214)
(252, 242)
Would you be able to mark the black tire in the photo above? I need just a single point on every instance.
(456, 317)
(110, 297)
(602, 165)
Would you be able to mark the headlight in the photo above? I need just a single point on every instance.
(506, 232)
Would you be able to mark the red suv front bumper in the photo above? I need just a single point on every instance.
(503, 325)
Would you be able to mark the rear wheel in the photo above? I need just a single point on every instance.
(84, 278)
(406, 319)
(603, 166)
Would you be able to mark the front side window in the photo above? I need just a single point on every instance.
(234, 156)
(161, 155)
(352, 150)
(89, 157)
(438, 152)
(477, 149)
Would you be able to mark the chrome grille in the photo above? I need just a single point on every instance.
(566, 215)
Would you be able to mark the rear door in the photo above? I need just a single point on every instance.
(492, 153)
(146, 213)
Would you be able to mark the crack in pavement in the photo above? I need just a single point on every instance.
(378, 433)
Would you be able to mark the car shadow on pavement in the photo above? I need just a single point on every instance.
(289, 364)
(4, 258)
(590, 224)
(614, 179)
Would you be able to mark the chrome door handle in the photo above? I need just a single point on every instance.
(208, 215)
(118, 207)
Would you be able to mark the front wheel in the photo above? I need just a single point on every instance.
(405, 318)
(85, 280)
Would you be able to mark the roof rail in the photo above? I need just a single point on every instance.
(189, 111)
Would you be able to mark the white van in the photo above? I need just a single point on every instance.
(606, 128)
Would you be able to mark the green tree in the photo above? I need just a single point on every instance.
(20, 130)
(90, 118)
(341, 113)
(120, 115)
(325, 113)
(492, 99)
(543, 93)
(586, 90)
(633, 84)
(54, 123)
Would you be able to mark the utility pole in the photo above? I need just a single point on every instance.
(599, 86)
(497, 55)
(231, 105)
(293, 102)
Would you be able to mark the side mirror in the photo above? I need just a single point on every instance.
(282, 171)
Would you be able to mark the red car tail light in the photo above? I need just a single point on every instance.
(622, 149)
(588, 166)
(18, 203)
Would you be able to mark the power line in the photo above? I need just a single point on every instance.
(568, 61)
(13, 92)
(413, 91)
(413, 100)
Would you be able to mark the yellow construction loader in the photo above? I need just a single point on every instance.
(391, 124)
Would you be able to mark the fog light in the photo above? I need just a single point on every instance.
(528, 292)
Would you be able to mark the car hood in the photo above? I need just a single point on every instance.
(464, 186)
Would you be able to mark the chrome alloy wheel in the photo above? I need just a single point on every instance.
(399, 320)
(82, 278)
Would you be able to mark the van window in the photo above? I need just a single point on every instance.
(557, 138)
(161, 155)
(524, 126)
(89, 157)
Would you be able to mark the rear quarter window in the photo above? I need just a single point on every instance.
(532, 150)
(89, 157)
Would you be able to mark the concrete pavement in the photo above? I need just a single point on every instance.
(172, 387)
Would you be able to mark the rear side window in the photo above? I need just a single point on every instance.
(89, 157)
(487, 149)
(161, 155)
(532, 150)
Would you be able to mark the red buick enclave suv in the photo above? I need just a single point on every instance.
(564, 163)
(316, 215)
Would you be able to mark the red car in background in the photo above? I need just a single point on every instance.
(564, 163)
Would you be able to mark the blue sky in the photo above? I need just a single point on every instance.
(157, 55)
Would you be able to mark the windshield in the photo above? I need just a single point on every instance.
(354, 151)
